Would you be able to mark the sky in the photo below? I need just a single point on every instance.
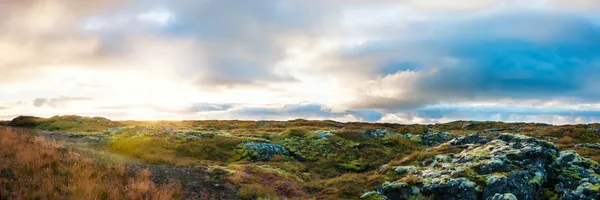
(403, 61)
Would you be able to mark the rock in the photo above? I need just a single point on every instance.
(110, 131)
(434, 138)
(405, 169)
(377, 133)
(507, 196)
(429, 138)
(323, 134)
(78, 121)
(398, 190)
(588, 145)
(373, 195)
(576, 177)
(261, 151)
(198, 135)
(470, 139)
(450, 188)
(498, 167)
(524, 184)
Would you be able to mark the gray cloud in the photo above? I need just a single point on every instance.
(203, 107)
(556, 57)
(304, 110)
(510, 114)
(59, 102)
(235, 43)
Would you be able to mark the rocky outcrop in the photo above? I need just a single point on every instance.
(576, 177)
(497, 167)
(588, 146)
(470, 139)
(377, 133)
(261, 151)
(323, 134)
(429, 138)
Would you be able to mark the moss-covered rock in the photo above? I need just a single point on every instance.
(260, 151)
(498, 166)
(506, 196)
(576, 177)
(429, 138)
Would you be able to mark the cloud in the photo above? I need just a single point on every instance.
(37, 34)
(203, 107)
(229, 44)
(581, 5)
(485, 59)
(59, 102)
(295, 111)
(391, 61)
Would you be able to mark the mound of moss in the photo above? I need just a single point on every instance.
(70, 123)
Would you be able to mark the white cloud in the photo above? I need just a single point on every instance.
(157, 59)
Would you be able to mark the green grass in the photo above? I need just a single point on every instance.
(154, 151)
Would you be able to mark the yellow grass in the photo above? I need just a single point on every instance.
(33, 168)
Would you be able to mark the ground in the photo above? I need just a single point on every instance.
(297, 159)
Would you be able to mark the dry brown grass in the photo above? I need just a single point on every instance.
(33, 168)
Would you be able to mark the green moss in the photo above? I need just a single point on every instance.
(309, 149)
(69, 123)
(219, 149)
(257, 191)
(415, 139)
(537, 179)
(354, 165)
(147, 149)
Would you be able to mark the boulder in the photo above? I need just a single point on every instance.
(588, 146)
(507, 196)
(377, 133)
(470, 139)
(576, 177)
(261, 151)
(429, 138)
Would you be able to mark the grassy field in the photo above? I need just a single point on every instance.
(34, 168)
(296, 159)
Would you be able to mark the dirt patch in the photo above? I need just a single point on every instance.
(197, 182)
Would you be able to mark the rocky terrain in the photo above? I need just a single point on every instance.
(302, 159)
(494, 167)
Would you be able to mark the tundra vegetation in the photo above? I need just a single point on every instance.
(96, 158)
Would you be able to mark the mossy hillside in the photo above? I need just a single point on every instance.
(163, 145)
(69, 123)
